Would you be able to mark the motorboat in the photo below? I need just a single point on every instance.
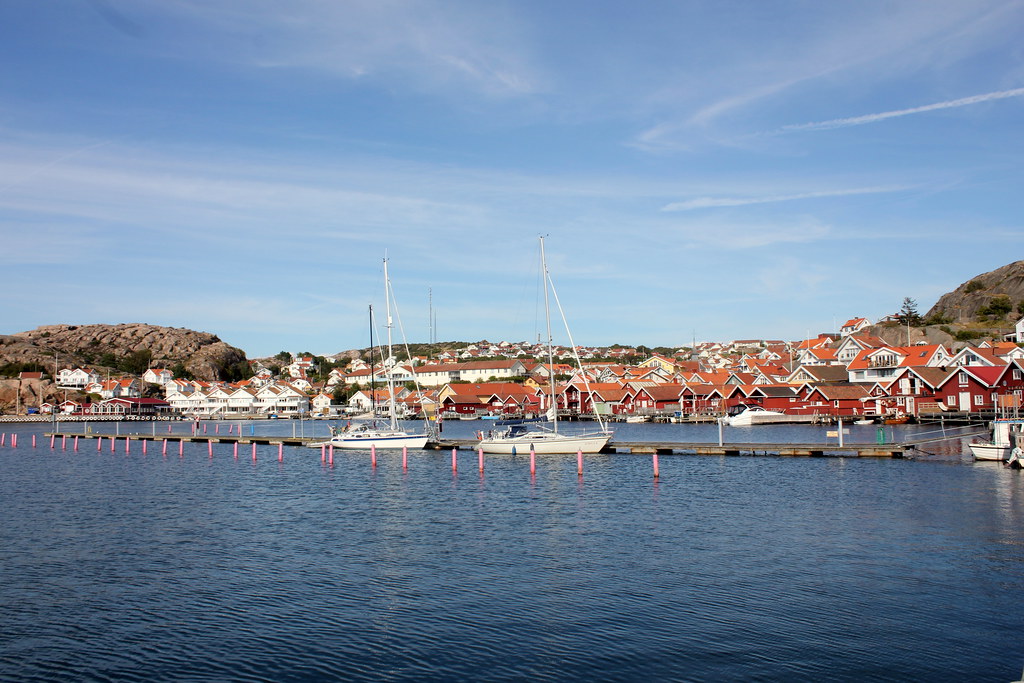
(747, 414)
(1006, 435)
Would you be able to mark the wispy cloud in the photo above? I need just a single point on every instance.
(753, 235)
(881, 116)
(718, 202)
(461, 46)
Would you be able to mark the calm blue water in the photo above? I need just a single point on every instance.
(132, 567)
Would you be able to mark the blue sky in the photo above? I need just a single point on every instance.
(711, 170)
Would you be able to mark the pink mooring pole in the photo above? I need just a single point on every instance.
(53, 439)
(455, 460)
(209, 448)
(656, 466)
(280, 452)
(254, 452)
(236, 450)
(33, 441)
(373, 455)
(99, 443)
(163, 450)
(63, 442)
(579, 462)
(144, 447)
(480, 457)
(323, 453)
(533, 461)
(181, 448)
(330, 455)
(405, 458)
(127, 446)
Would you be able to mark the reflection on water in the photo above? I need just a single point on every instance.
(131, 567)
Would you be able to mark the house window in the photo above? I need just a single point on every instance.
(962, 378)
(1016, 374)
(979, 399)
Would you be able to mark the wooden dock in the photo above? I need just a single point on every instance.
(861, 450)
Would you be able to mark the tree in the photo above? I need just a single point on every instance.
(284, 357)
(998, 307)
(908, 314)
(136, 362)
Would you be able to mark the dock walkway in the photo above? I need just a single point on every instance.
(891, 450)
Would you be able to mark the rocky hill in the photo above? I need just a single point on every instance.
(115, 347)
(997, 296)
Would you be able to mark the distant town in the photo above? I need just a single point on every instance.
(847, 374)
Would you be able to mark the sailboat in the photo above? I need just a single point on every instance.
(375, 433)
(523, 437)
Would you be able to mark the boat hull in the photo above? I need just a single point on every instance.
(377, 441)
(990, 451)
(749, 419)
(545, 443)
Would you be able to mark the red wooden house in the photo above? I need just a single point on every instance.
(974, 389)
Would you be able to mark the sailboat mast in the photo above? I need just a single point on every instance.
(373, 387)
(391, 379)
(551, 355)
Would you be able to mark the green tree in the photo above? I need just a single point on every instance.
(973, 286)
(998, 307)
(284, 357)
(136, 362)
(180, 372)
(908, 314)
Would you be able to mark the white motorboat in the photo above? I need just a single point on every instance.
(747, 414)
(1006, 434)
(520, 438)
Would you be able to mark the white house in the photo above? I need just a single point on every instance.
(853, 326)
(76, 378)
(159, 376)
(321, 404)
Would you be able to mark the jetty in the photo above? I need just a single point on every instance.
(902, 449)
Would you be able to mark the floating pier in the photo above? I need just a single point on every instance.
(861, 450)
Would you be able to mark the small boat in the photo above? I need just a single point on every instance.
(1006, 434)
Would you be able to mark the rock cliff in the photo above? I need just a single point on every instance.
(985, 296)
(109, 346)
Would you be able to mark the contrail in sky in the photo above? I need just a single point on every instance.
(871, 118)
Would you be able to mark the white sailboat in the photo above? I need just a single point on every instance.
(524, 437)
(374, 433)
